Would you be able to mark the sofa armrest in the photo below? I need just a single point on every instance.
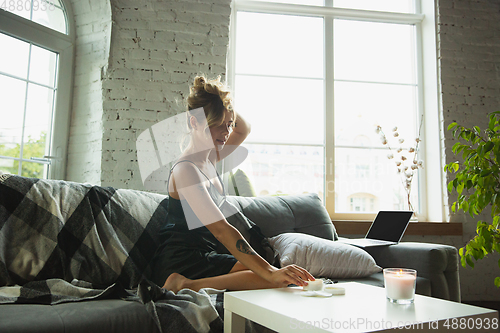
(436, 262)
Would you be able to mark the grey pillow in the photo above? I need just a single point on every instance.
(275, 215)
(324, 258)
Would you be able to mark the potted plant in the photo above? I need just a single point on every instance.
(477, 182)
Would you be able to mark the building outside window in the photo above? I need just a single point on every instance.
(35, 84)
(316, 79)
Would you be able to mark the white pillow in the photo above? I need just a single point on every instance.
(323, 258)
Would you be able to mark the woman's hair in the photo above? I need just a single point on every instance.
(213, 96)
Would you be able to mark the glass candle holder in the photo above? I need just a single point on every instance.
(400, 285)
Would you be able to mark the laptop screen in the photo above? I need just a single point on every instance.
(389, 225)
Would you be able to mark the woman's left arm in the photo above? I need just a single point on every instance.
(240, 132)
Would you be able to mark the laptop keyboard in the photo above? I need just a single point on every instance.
(375, 241)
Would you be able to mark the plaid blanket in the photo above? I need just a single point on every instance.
(64, 242)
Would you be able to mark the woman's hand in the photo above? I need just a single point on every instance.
(291, 274)
(240, 132)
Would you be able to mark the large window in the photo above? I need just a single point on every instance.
(35, 81)
(315, 80)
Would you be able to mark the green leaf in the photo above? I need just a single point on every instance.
(480, 151)
(469, 261)
(491, 124)
(487, 198)
(450, 187)
(473, 211)
(497, 282)
(480, 181)
(465, 206)
(463, 262)
(488, 146)
(452, 125)
(485, 173)
(481, 200)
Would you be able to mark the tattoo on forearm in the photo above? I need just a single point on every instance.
(243, 247)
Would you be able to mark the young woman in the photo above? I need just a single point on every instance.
(189, 257)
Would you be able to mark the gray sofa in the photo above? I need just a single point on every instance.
(437, 265)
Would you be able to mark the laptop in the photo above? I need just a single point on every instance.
(387, 229)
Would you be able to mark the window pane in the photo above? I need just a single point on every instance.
(366, 178)
(282, 45)
(282, 110)
(400, 6)
(380, 52)
(33, 170)
(282, 169)
(367, 181)
(15, 61)
(38, 120)
(7, 166)
(21, 8)
(360, 107)
(50, 16)
(43, 66)
(12, 92)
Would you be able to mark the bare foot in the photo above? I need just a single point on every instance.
(175, 282)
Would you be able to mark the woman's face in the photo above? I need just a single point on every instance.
(220, 134)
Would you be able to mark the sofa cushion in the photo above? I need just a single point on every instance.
(302, 213)
(93, 316)
(324, 258)
(240, 185)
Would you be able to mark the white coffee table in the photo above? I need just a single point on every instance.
(363, 308)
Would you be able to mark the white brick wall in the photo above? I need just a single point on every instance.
(134, 61)
(469, 58)
(158, 46)
(157, 49)
(93, 32)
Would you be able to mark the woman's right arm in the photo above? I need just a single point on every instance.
(198, 198)
(238, 246)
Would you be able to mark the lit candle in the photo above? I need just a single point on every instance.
(400, 284)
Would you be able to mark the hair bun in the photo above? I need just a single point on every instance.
(199, 82)
(212, 95)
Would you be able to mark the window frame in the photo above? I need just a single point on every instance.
(63, 44)
(432, 203)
